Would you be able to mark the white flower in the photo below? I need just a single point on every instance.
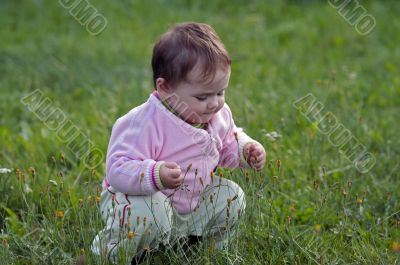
(273, 136)
(27, 189)
(4, 170)
(53, 182)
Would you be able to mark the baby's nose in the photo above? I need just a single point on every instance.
(213, 103)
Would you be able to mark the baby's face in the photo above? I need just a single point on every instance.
(197, 101)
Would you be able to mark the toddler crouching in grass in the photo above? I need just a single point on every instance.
(162, 155)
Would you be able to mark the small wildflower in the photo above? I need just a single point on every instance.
(318, 82)
(146, 248)
(131, 235)
(395, 247)
(349, 184)
(32, 171)
(344, 192)
(60, 214)
(113, 200)
(273, 136)
(80, 203)
(27, 189)
(228, 202)
(292, 208)
(212, 176)
(97, 200)
(5, 243)
(317, 228)
(62, 157)
(53, 182)
(141, 177)
(289, 219)
(53, 159)
(22, 177)
(279, 163)
(359, 201)
(6, 170)
(315, 184)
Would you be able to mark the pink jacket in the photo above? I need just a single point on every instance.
(150, 134)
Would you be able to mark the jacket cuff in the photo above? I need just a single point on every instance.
(157, 177)
(150, 178)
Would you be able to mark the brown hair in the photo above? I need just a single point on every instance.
(179, 50)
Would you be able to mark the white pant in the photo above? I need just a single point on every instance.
(138, 223)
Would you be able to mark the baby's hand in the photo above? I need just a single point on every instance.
(255, 155)
(170, 175)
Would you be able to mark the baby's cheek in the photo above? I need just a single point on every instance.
(221, 103)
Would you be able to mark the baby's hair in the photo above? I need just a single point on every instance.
(179, 50)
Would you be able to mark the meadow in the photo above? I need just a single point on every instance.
(310, 205)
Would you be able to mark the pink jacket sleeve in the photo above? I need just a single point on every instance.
(129, 168)
(235, 139)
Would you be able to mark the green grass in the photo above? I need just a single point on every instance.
(281, 51)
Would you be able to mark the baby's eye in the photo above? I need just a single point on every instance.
(201, 98)
(220, 94)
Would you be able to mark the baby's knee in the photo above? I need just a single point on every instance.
(158, 212)
(238, 201)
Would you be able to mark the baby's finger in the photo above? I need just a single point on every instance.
(261, 157)
(258, 151)
(179, 181)
(174, 173)
(171, 165)
(250, 150)
(259, 163)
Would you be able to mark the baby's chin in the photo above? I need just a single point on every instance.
(207, 118)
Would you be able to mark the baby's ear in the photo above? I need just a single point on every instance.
(161, 85)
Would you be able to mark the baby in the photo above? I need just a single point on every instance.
(161, 178)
